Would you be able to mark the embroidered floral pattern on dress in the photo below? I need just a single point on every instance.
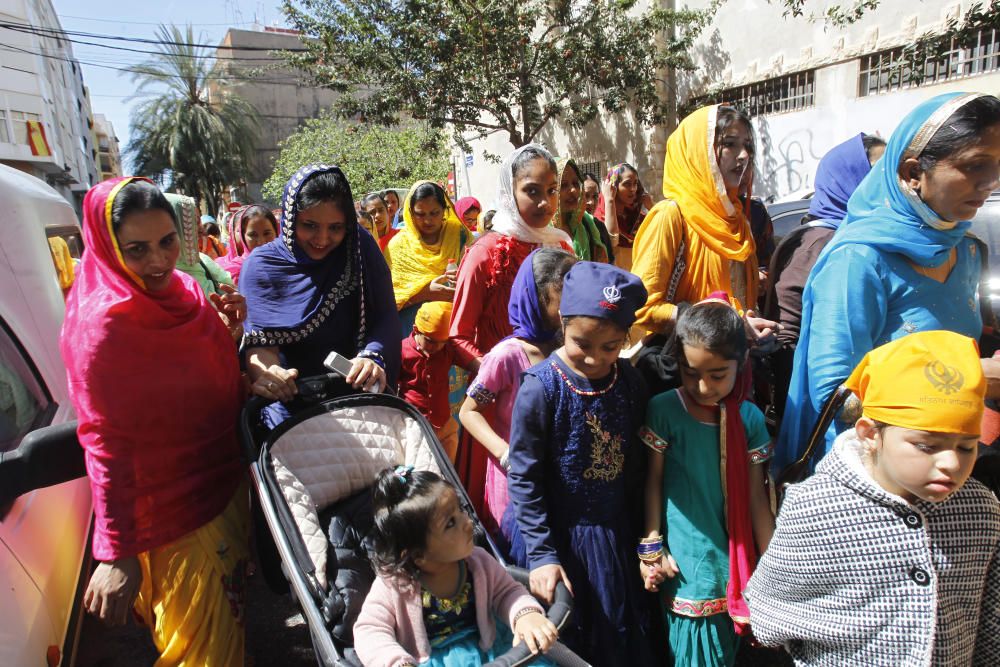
(699, 608)
(651, 440)
(763, 454)
(480, 394)
(444, 617)
(605, 452)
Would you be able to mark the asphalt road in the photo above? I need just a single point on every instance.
(276, 635)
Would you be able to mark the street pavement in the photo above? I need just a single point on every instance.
(276, 635)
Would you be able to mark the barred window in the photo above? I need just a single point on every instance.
(905, 67)
(591, 168)
(790, 92)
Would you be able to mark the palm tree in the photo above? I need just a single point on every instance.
(183, 137)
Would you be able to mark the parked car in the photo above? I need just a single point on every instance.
(45, 533)
(788, 215)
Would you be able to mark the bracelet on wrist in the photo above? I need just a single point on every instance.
(650, 549)
(524, 612)
(373, 356)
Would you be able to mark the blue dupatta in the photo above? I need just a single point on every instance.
(884, 214)
(289, 295)
(837, 177)
(524, 309)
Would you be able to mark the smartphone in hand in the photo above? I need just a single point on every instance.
(338, 363)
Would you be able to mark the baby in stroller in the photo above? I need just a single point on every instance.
(317, 519)
(439, 599)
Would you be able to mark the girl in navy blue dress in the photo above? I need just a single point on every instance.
(575, 469)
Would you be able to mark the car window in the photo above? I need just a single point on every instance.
(786, 222)
(71, 235)
(24, 404)
(986, 225)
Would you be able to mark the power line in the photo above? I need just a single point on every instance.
(62, 34)
(288, 81)
(196, 25)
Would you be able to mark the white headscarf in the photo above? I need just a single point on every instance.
(508, 221)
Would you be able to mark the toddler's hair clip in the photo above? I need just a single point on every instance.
(403, 473)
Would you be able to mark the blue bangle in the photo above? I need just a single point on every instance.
(374, 356)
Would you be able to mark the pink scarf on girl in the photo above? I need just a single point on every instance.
(232, 262)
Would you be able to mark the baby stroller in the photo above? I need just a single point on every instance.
(312, 477)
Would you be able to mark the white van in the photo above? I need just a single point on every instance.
(44, 534)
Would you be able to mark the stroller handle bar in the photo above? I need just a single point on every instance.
(559, 614)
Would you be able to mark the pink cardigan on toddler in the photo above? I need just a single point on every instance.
(390, 629)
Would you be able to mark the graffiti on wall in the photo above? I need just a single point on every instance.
(787, 165)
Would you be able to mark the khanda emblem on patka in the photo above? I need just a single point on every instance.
(612, 295)
(943, 377)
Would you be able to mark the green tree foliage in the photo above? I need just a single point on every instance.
(180, 137)
(487, 65)
(373, 157)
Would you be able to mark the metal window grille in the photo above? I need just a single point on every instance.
(897, 68)
(591, 167)
(790, 92)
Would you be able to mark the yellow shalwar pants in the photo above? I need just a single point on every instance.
(193, 591)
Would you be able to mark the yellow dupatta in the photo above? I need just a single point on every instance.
(691, 177)
(415, 264)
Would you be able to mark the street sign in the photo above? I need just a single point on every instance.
(468, 159)
(234, 206)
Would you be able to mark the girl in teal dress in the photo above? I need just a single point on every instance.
(705, 489)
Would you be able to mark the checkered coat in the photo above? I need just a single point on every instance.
(857, 576)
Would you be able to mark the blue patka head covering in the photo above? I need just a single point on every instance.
(603, 291)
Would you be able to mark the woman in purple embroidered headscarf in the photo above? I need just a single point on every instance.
(486, 413)
(839, 173)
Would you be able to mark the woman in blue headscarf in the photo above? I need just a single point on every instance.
(321, 287)
(901, 261)
(839, 173)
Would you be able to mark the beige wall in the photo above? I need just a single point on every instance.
(791, 143)
(283, 100)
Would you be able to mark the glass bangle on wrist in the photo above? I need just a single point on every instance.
(374, 356)
(650, 549)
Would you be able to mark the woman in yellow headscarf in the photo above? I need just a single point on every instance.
(698, 240)
(419, 255)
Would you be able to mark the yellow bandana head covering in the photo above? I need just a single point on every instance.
(691, 177)
(414, 264)
(927, 381)
(434, 319)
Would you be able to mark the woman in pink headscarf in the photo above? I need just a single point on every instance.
(468, 210)
(155, 383)
(249, 228)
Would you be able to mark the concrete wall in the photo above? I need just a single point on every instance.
(283, 100)
(51, 90)
(109, 161)
(789, 144)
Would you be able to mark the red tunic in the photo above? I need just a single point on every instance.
(479, 321)
(423, 379)
(384, 241)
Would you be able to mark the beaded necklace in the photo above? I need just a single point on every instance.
(586, 392)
